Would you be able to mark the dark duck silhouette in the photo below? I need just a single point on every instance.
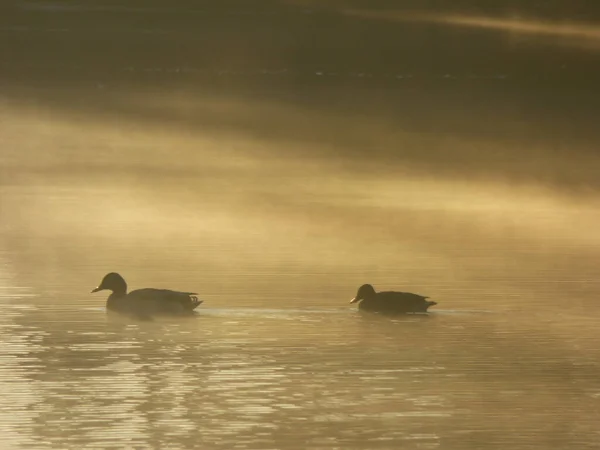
(146, 302)
(390, 302)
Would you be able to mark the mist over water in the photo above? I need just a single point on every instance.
(274, 181)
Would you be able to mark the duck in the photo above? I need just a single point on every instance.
(390, 302)
(145, 302)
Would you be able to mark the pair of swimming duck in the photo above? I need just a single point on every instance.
(149, 302)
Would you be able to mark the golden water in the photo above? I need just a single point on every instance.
(276, 240)
(275, 201)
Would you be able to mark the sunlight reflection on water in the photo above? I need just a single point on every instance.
(261, 381)
(276, 246)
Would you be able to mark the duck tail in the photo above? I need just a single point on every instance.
(431, 303)
(195, 301)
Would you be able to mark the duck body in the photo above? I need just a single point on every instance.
(390, 302)
(148, 301)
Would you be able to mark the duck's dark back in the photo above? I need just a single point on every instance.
(395, 302)
(393, 296)
(164, 299)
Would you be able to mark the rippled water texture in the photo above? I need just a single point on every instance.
(274, 187)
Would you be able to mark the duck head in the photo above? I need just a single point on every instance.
(364, 292)
(112, 282)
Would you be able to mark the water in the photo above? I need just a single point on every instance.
(292, 378)
(274, 186)
(276, 357)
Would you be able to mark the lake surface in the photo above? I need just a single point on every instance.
(274, 186)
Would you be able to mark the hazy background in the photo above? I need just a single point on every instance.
(273, 157)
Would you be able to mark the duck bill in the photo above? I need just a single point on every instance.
(96, 289)
(354, 300)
